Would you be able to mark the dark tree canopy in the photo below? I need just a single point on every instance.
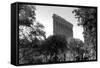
(53, 46)
(87, 17)
(77, 48)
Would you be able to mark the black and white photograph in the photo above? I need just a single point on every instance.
(56, 34)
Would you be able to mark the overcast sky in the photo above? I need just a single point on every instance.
(44, 16)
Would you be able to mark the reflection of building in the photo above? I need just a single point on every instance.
(62, 27)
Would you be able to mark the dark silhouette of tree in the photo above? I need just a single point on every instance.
(87, 18)
(54, 47)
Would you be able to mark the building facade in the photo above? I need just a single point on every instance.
(62, 27)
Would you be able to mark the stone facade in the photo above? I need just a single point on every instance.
(62, 27)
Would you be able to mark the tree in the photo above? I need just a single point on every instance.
(26, 14)
(54, 47)
(29, 28)
(31, 33)
(76, 46)
(87, 18)
(26, 19)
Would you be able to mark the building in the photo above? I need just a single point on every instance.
(62, 27)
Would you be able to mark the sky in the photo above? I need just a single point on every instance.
(44, 15)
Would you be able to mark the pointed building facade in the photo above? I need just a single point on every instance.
(62, 27)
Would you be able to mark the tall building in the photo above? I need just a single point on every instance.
(62, 27)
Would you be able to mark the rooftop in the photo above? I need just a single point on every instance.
(55, 16)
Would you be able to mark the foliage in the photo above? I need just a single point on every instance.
(54, 47)
(77, 48)
(87, 17)
(30, 31)
(31, 34)
(26, 14)
(37, 30)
